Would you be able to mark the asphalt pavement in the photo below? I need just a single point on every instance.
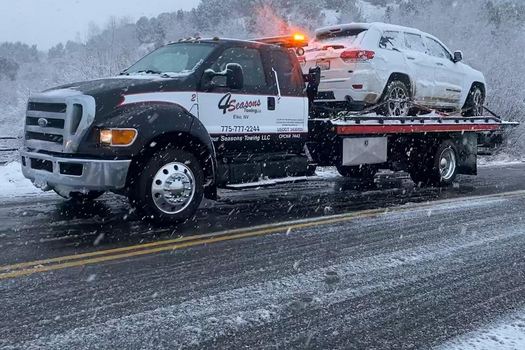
(319, 264)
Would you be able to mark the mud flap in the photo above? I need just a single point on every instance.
(467, 147)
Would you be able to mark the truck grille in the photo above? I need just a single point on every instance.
(47, 107)
(45, 122)
(56, 124)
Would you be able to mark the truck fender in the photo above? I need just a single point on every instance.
(160, 124)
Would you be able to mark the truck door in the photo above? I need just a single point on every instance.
(241, 119)
(290, 101)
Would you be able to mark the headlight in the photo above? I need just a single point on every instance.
(117, 137)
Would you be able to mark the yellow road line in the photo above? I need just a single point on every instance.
(36, 269)
(28, 268)
(177, 240)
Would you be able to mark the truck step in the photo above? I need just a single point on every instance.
(272, 182)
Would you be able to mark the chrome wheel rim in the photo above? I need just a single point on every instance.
(447, 164)
(397, 102)
(173, 188)
(477, 102)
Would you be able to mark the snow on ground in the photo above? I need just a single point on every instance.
(327, 172)
(506, 334)
(498, 160)
(13, 183)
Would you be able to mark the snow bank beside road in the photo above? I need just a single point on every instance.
(13, 183)
(508, 334)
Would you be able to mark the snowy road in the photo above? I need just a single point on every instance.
(330, 266)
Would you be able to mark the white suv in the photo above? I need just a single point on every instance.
(363, 64)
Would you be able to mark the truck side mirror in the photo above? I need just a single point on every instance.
(234, 76)
(313, 79)
(458, 56)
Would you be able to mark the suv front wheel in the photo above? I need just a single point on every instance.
(475, 102)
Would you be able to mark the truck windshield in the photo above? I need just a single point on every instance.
(174, 59)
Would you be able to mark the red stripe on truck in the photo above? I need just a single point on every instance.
(407, 129)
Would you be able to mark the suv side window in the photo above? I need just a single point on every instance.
(391, 40)
(436, 49)
(251, 63)
(414, 42)
(288, 72)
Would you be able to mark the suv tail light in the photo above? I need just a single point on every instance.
(302, 60)
(357, 55)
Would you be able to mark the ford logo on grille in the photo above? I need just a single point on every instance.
(42, 122)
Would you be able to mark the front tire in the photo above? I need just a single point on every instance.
(170, 187)
(475, 102)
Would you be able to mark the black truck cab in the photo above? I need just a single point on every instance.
(185, 119)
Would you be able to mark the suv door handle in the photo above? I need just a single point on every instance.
(440, 64)
(411, 58)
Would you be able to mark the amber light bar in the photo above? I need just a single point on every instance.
(287, 41)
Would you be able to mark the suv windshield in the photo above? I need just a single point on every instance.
(174, 59)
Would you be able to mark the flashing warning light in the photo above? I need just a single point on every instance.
(299, 37)
(289, 41)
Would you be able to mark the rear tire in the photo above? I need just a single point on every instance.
(169, 188)
(475, 102)
(395, 97)
(440, 170)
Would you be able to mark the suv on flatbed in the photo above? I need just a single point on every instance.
(364, 64)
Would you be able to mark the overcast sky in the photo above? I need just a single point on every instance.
(47, 22)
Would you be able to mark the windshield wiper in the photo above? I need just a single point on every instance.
(149, 71)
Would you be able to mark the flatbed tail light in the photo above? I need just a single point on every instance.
(357, 55)
(117, 137)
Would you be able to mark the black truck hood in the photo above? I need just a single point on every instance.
(108, 92)
(122, 84)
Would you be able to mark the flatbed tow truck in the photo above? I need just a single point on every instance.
(203, 114)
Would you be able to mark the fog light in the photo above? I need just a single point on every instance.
(117, 137)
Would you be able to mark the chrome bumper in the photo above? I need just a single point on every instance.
(74, 175)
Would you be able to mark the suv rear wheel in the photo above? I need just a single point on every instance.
(396, 99)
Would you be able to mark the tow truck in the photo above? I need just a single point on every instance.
(202, 114)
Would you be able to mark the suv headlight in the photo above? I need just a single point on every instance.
(120, 137)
